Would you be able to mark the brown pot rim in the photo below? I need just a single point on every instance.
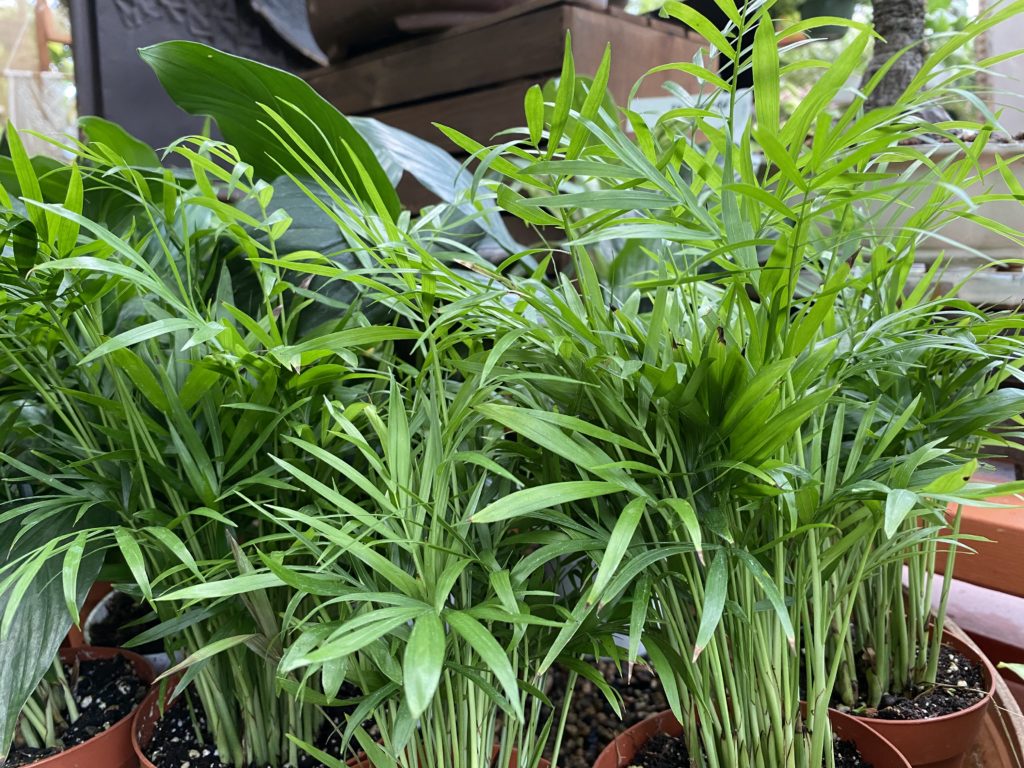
(989, 671)
(665, 721)
(146, 706)
(141, 666)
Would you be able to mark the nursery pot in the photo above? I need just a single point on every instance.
(873, 747)
(160, 662)
(146, 718)
(113, 747)
(97, 592)
(940, 742)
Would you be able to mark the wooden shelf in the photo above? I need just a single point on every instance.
(474, 77)
(998, 563)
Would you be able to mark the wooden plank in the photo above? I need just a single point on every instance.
(636, 48)
(526, 45)
(478, 114)
(487, 20)
(997, 564)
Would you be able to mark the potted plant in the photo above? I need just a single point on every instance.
(184, 338)
(616, 361)
(150, 410)
(80, 713)
(921, 688)
(443, 621)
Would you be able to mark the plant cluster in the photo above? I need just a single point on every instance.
(351, 462)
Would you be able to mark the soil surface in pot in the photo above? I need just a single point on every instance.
(105, 690)
(125, 619)
(592, 723)
(960, 684)
(670, 752)
(176, 744)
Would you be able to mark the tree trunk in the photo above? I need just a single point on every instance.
(900, 23)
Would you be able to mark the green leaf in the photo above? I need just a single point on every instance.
(237, 585)
(27, 179)
(1017, 669)
(67, 230)
(134, 152)
(364, 629)
(69, 574)
(132, 553)
(953, 480)
(772, 592)
(591, 104)
(424, 657)
(25, 240)
(206, 652)
(898, 504)
(684, 511)
(230, 89)
(40, 618)
(563, 98)
(698, 22)
(618, 542)
(766, 75)
(138, 335)
(529, 500)
(490, 652)
(175, 546)
(534, 107)
(715, 587)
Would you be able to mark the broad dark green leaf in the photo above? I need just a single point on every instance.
(424, 657)
(41, 620)
(231, 90)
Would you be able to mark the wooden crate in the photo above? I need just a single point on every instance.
(474, 77)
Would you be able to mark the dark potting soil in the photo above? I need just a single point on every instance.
(176, 744)
(664, 751)
(125, 620)
(591, 722)
(960, 684)
(105, 690)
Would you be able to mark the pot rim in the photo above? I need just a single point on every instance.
(151, 704)
(667, 715)
(962, 647)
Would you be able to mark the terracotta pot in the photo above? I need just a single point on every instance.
(146, 717)
(361, 25)
(113, 747)
(160, 662)
(940, 742)
(874, 748)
